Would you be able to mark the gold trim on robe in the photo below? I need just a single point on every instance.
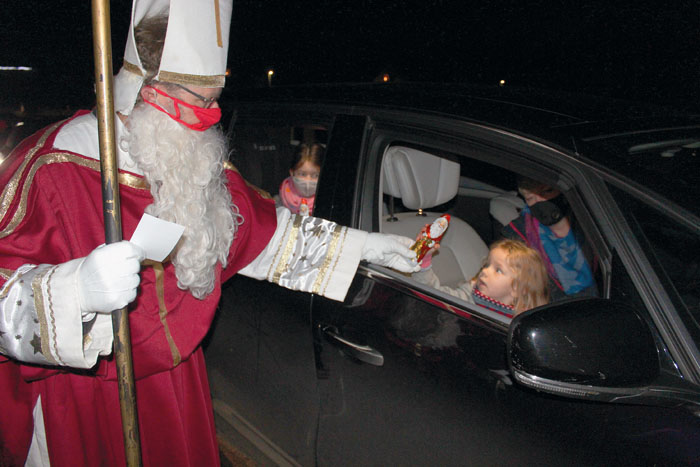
(163, 310)
(215, 81)
(335, 236)
(287, 248)
(41, 313)
(126, 179)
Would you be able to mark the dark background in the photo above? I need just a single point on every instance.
(639, 50)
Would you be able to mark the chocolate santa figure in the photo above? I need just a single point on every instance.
(431, 236)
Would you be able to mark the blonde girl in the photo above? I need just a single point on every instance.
(513, 279)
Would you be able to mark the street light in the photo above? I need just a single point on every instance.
(269, 77)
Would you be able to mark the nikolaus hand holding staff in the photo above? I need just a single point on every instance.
(59, 285)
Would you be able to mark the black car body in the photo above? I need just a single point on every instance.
(403, 374)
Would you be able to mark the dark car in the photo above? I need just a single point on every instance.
(404, 374)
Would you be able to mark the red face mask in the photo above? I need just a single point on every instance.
(206, 117)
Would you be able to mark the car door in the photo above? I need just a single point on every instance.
(412, 376)
(260, 353)
(415, 376)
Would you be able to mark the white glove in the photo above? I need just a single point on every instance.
(108, 277)
(391, 251)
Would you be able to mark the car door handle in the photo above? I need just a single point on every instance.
(363, 353)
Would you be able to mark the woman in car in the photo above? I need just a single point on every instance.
(546, 224)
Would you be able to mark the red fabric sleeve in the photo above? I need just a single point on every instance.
(259, 221)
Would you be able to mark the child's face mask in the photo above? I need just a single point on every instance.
(304, 186)
(551, 211)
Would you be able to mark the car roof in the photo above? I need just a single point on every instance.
(653, 145)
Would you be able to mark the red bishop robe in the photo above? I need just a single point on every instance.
(50, 213)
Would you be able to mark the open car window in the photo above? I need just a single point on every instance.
(420, 184)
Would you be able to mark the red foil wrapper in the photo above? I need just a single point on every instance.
(431, 237)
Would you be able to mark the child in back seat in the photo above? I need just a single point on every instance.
(298, 191)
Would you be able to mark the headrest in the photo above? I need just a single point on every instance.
(420, 179)
(506, 207)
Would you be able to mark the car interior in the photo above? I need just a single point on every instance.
(417, 184)
(420, 184)
(423, 181)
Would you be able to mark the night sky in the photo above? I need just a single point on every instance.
(641, 50)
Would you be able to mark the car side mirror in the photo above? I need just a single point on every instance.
(594, 349)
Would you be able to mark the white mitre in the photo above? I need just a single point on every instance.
(194, 53)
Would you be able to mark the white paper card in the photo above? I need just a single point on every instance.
(157, 237)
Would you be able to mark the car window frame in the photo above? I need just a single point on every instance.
(660, 306)
(388, 131)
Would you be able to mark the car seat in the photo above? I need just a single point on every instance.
(422, 181)
(506, 207)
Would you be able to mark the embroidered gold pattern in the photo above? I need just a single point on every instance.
(53, 316)
(337, 259)
(41, 315)
(163, 311)
(330, 254)
(279, 248)
(213, 81)
(288, 248)
(129, 180)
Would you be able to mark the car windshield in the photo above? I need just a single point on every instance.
(666, 162)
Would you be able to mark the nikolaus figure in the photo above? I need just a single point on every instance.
(430, 236)
(59, 285)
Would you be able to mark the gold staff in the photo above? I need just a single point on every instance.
(102, 45)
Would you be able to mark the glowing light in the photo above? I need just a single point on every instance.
(502, 82)
(15, 68)
(385, 77)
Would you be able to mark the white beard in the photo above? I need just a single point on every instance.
(185, 171)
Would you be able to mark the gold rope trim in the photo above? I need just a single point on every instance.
(8, 193)
(279, 248)
(163, 311)
(129, 180)
(130, 67)
(337, 259)
(51, 312)
(41, 315)
(219, 39)
(335, 236)
(212, 81)
(287, 250)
